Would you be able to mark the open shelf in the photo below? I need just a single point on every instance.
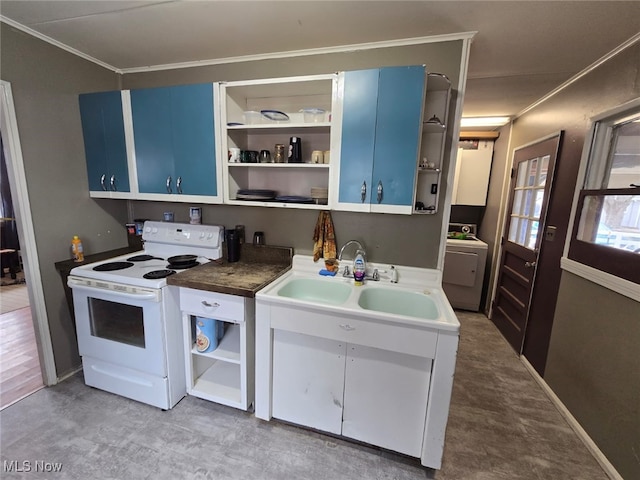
(220, 383)
(228, 348)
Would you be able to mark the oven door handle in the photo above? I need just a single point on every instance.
(137, 294)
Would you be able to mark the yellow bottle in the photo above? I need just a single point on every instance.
(76, 249)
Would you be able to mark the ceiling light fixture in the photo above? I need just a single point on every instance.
(483, 121)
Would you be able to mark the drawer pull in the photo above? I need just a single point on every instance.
(210, 305)
(347, 327)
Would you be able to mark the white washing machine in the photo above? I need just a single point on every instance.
(464, 265)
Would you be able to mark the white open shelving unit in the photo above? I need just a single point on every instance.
(289, 95)
(434, 135)
(224, 375)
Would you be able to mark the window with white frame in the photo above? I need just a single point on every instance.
(606, 231)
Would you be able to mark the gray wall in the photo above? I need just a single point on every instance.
(592, 363)
(399, 239)
(46, 81)
(593, 367)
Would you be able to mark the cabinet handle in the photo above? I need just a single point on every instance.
(380, 191)
(179, 185)
(529, 264)
(363, 191)
(169, 184)
(112, 182)
(347, 327)
(102, 179)
(210, 305)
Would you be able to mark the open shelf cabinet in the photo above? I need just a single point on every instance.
(288, 95)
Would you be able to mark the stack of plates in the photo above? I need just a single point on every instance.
(248, 194)
(320, 195)
(294, 199)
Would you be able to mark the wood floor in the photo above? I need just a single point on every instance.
(20, 373)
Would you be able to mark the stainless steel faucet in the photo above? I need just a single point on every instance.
(345, 271)
(350, 242)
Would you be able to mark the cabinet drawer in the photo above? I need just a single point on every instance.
(371, 333)
(212, 305)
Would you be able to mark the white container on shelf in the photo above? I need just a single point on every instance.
(313, 115)
(251, 117)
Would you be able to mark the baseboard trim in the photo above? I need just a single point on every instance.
(608, 468)
(62, 378)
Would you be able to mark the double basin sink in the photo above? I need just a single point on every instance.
(417, 298)
(379, 299)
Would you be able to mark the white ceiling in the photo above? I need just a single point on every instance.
(522, 50)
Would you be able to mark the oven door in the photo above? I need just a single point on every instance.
(121, 328)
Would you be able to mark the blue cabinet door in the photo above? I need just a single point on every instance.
(174, 137)
(104, 140)
(153, 138)
(398, 128)
(193, 138)
(381, 125)
(358, 134)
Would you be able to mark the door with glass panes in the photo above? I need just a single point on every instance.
(531, 179)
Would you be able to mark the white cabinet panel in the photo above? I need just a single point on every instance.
(385, 398)
(308, 380)
(471, 181)
(460, 268)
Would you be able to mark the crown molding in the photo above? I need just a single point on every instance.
(58, 44)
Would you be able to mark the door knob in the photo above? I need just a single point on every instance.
(529, 264)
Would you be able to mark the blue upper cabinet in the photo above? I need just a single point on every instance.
(359, 114)
(104, 143)
(174, 137)
(381, 129)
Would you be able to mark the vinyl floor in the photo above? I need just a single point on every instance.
(501, 426)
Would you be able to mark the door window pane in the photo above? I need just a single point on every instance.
(533, 168)
(528, 196)
(513, 230)
(544, 168)
(522, 175)
(538, 205)
(517, 201)
(533, 235)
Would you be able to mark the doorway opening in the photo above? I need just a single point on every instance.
(20, 371)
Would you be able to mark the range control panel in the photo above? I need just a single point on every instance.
(207, 236)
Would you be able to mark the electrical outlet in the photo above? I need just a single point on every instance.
(434, 188)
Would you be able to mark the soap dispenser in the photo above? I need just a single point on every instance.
(359, 267)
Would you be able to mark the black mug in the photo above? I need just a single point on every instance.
(258, 238)
(233, 246)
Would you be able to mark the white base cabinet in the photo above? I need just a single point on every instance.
(226, 374)
(385, 398)
(308, 380)
(383, 383)
(368, 394)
